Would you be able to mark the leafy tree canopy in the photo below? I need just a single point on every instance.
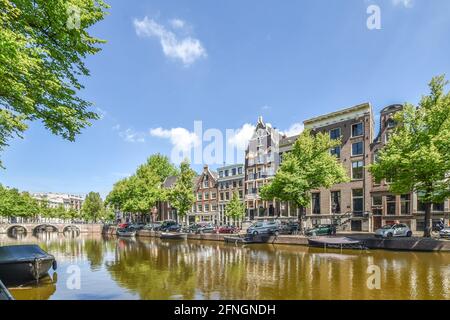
(42, 47)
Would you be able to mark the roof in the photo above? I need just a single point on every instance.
(170, 181)
(338, 116)
(285, 141)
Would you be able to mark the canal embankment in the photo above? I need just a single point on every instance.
(398, 244)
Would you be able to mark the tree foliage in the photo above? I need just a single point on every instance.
(93, 208)
(309, 166)
(42, 47)
(181, 196)
(235, 208)
(140, 192)
(417, 156)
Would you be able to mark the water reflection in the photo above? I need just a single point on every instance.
(154, 269)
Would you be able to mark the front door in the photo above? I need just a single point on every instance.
(356, 225)
(377, 222)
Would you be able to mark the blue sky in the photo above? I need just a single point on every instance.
(169, 63)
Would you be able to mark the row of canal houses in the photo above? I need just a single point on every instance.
(359, 205)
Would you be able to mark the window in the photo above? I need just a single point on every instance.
(221, 174)
(357, 170)
(214, 207)
(221, 196)
(335, 133)
(206, 207)
(391, 205)
(234, 184)
(233, 171)
(357, 129)
(199, 196)
(335, 201)
(213, 195)
(405, 206)
(315, 203)
(227, 196)
(390, 123)
(336, 151)
(240, 170)
(205, 184)
(438, 206)
(206, 195)
(240, 194)
(227, 173)
(357, 200)
(377, 201)
(357, 148)
(240, 183)
(199, 208)
(420, 206)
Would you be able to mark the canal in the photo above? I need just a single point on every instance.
(98, 267)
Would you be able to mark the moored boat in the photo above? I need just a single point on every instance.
(248, 239)
(173, 235)
(336, 242)
(126, 232)
(20, 263)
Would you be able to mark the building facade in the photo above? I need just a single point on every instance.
(386, 207)
(231, 181)
(347, 204)
(206, 198)
(261, 163)
(56, 200)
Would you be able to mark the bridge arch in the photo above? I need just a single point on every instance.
(18, 227)
(46, 227)
(71, 227)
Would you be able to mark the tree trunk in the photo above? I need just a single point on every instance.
(427, 226)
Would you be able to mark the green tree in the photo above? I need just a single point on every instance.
(309, 166)
(417, 156)
(181, 196)
(42, 47)
(235, 208)
(93, 208)
(139, 193)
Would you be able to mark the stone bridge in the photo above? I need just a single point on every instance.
(57, 227)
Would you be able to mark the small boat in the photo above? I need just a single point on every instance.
(21, 263)
(248, 239)
(336, 242)
(4, 293)
(126, 232)
(173, 235)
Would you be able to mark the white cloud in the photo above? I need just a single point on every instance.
(405, 3)
(294, 129)
(177, 23)
(181, 138)
(186, 49)
(130, 135)
(242, 136)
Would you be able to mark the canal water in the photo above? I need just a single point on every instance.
(98, 267)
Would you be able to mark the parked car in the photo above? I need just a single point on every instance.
(201, 227)
(445, 233)
(124, 225)
(137, 226)
(153, 226)
(289, 227)
(321, 230)
(170, 226)
(226, 229)
(266, 227)
(393, 230)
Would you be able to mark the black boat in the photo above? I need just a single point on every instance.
(21, 263)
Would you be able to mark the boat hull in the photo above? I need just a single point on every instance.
(19, 264)
(174, 236)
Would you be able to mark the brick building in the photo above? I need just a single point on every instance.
(230, 181)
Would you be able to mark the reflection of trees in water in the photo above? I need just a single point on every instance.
(161, 270)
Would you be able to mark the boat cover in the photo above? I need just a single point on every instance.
(11, 254)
